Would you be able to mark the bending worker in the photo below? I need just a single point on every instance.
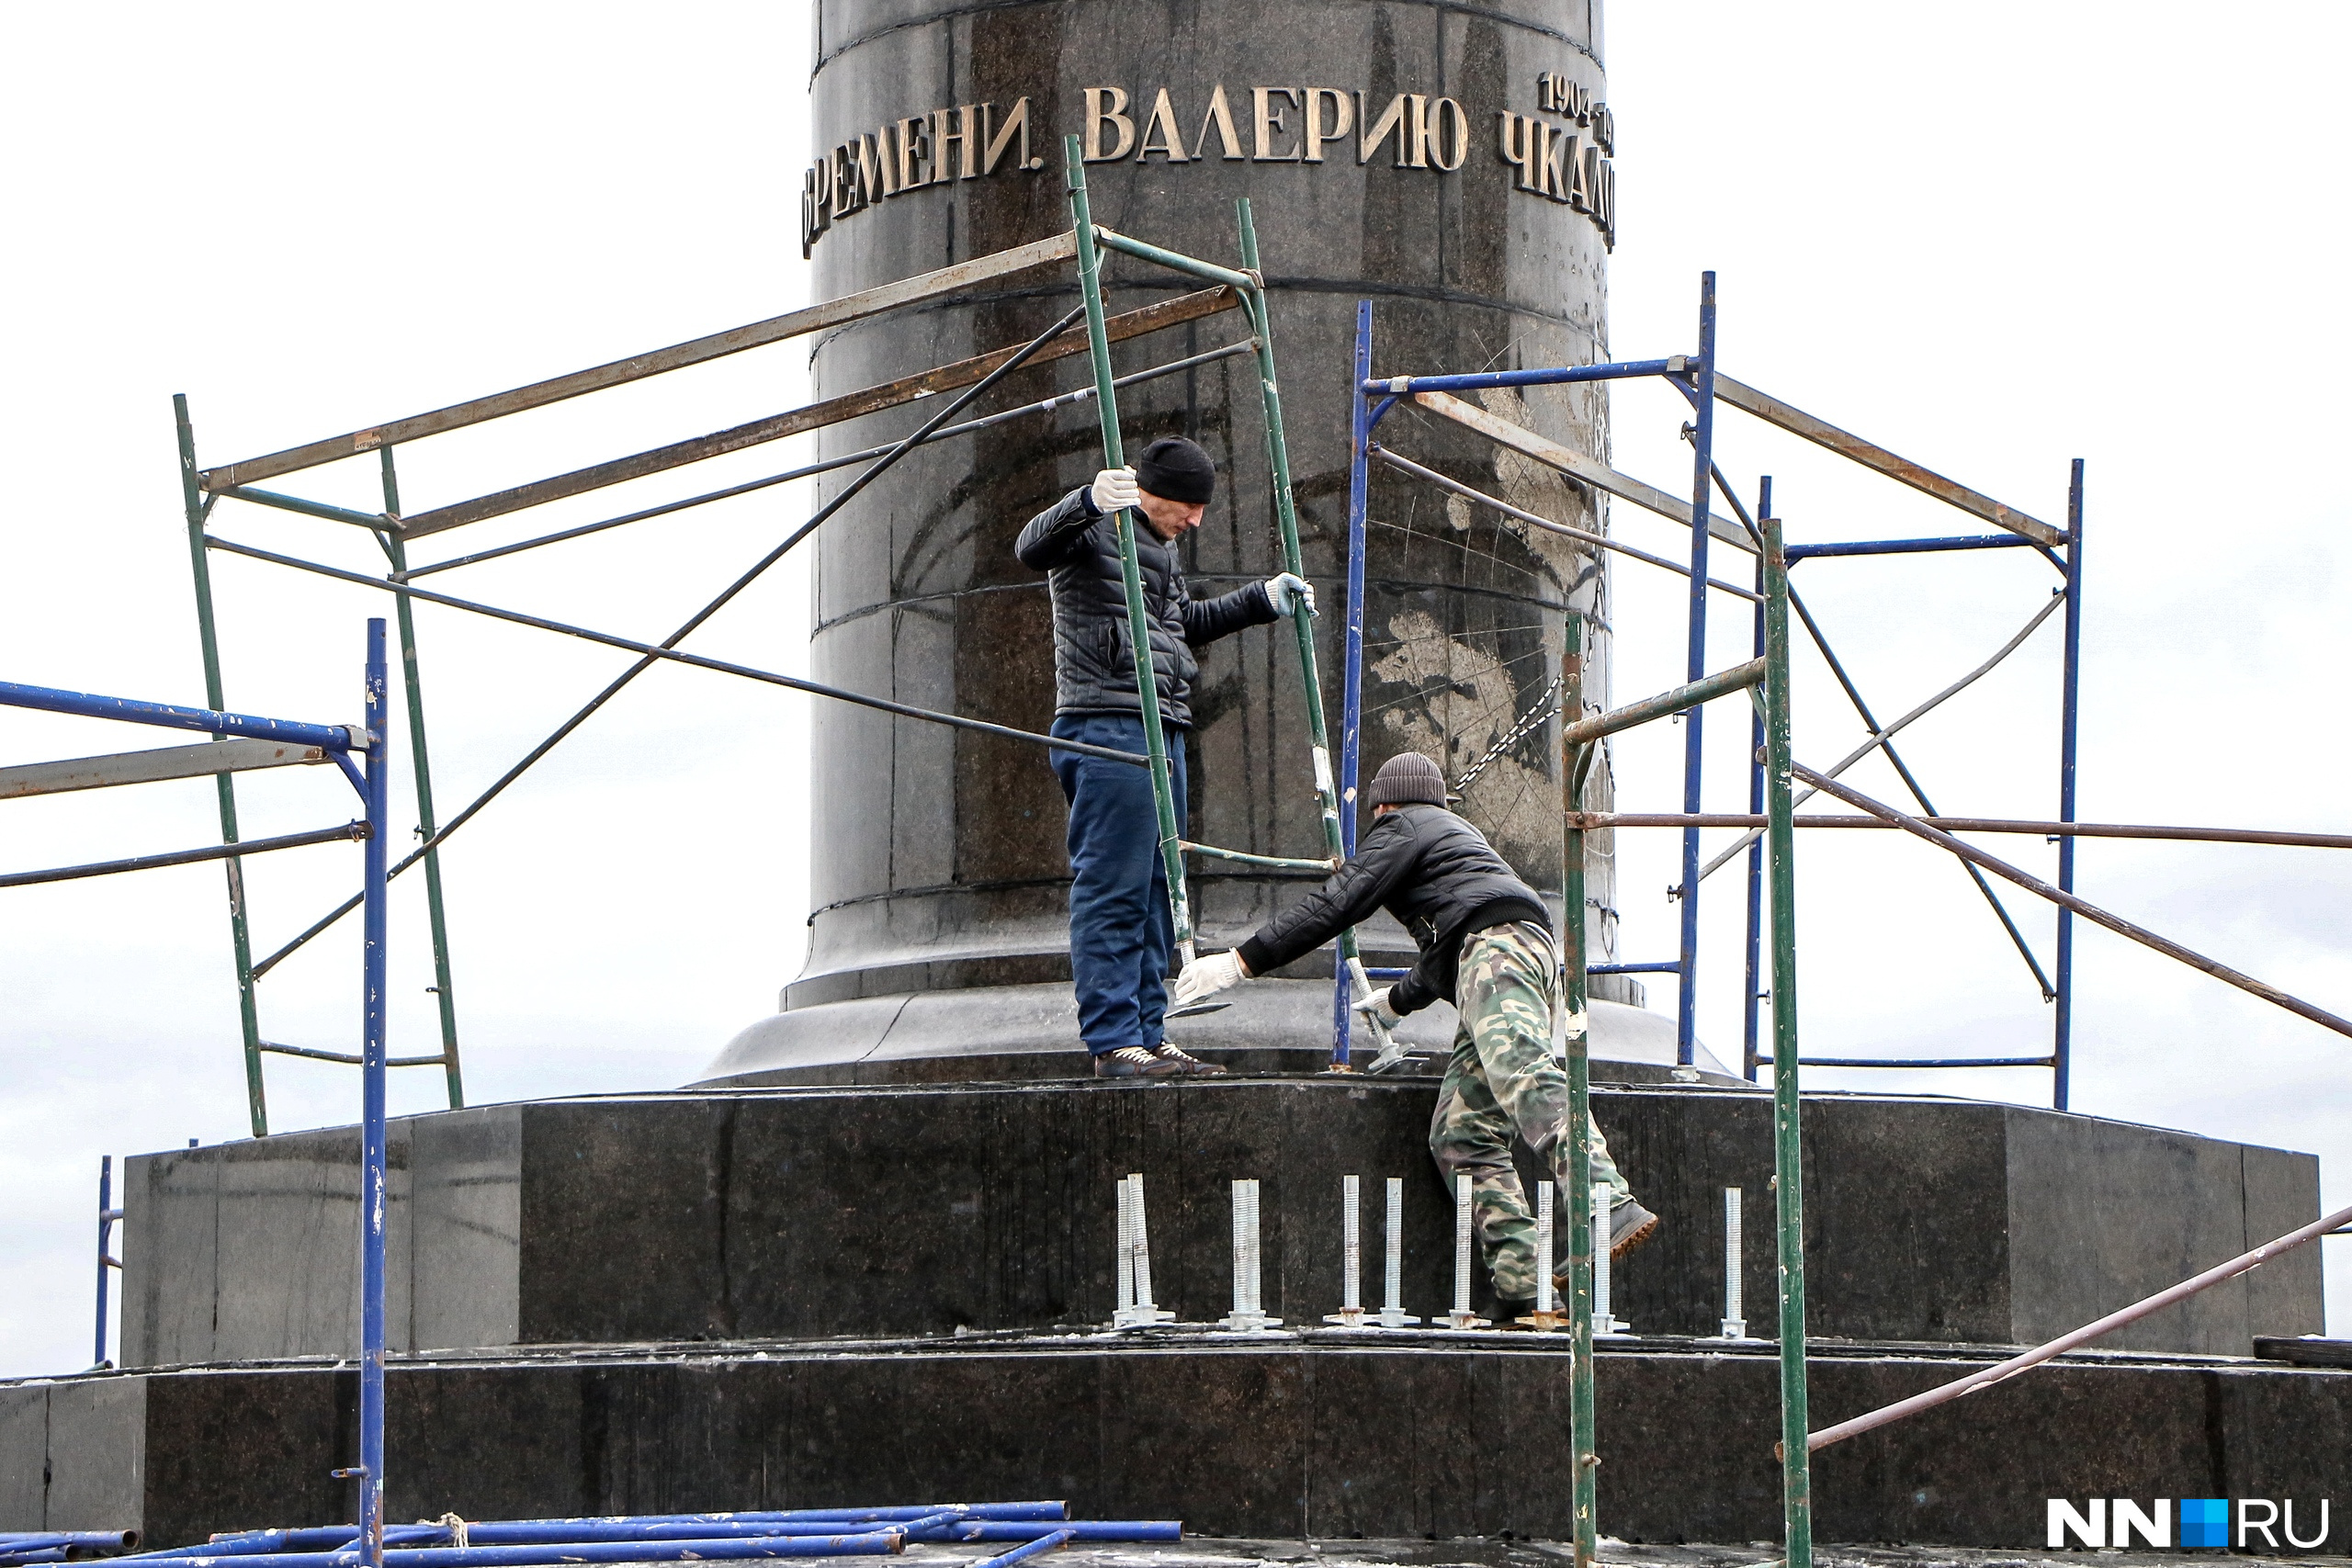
(1485, 944)
(1120, 928)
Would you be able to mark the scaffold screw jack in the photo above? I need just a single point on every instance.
(1461, 1317)
(1350, 1313)
(1545, 1318)
(1604, 1321)
(1247, 1315)
(1735, 1325)
(1392, 1310)
(1136, 1308)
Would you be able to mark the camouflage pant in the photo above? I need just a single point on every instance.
(1502, 1078)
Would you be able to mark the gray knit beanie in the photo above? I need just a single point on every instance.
(1407, 778)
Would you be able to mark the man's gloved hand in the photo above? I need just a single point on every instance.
(1205, 977)
(1286, 591)
(1112, 489)
(1375, 1008)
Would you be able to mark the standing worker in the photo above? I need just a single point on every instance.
(1120, 928)
(1485, 944)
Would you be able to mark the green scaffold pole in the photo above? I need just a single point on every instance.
(1788, 1145)
(1585, 1456)
(1286, 518)
(1090, 282)
(192, 505)
(396, 550)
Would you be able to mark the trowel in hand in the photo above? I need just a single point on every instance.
(1392, 1050)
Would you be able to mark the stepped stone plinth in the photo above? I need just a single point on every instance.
(947, 1209)
(830, 1295)
(1329, 1434)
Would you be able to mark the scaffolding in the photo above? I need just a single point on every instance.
(242, 743)
(202, 489)
(1447, 398)
(1764, 679)
(1770, 818)
(1086, 330)
(1248, 284)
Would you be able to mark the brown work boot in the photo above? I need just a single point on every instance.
(1630, 1225)
(1135, 1062)
(1186, 1063)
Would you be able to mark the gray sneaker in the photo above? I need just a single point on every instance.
(1135, 1062)
(1189, 1065)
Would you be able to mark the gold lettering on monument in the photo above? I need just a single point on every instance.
(1103, 106)
(1161, 135)
(1561, 153)
(1571, 162)
(1343, 118)
(961, 141)
(1220, 117)
(1268, 122)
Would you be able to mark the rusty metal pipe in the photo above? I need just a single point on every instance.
(1820, 432)
(2082, 907)
(2083, 1336)
(906, 390)
(538, 394)
(667, 649)
(825, 466)
(1723, 682)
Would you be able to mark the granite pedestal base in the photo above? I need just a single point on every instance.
(1031, 1032)
(801, 1213)
(1324, 1435)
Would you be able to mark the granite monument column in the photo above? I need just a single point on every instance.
(1449, 161)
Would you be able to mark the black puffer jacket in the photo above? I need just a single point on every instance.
(1094, 661)
(1430, 868)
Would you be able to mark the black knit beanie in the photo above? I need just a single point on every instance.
(1177, 469)
(1407, 778)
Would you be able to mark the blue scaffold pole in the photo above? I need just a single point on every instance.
(2063, 1040)
(1748, 1054)
(174, 716)
(1702, 373)
(1351, 658)
(374, 1195)
(108, 1214)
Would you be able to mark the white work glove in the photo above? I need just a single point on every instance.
(1205, 977)
(1377, 1009)
(1286, 591)
(1112, 489)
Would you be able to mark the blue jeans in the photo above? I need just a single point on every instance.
(1120, 929)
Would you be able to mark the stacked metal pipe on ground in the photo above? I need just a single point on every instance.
(63, 1546)
(641, 1537)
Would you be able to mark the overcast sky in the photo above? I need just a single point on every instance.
(1993, 238)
